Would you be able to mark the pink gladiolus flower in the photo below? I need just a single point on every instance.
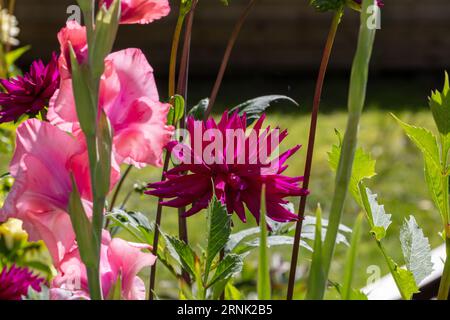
(72, 35)
(118, 258)
(44, 158)
(129, 97)
(234, 175)
(141, 11)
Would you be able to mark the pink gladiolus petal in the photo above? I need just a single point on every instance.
(141, 11)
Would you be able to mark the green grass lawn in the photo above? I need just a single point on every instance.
(400, 185)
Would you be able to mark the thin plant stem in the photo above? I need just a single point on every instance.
(157, 232)
(182, 88)
(119, 187)
(444, 286)
(230, 46)
(174, 55)
(356, 102)
(310, 154)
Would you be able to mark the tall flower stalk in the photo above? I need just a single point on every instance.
(312, 138)
(86, 83)
(187, 9)
(356, 101)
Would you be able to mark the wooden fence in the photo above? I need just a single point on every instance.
(280, 36)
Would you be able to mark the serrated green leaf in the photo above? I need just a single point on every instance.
(416, 250)
(435, 180)
(227, 268)
(405, 281)
(379, 220)
(363, 167)
(181, 253)
(254, 108)
(424, 139)
(440, 107)
(198, 111)
(219, 230)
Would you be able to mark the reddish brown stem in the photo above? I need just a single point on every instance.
(312, 138)
(232, 41)
(182, 90)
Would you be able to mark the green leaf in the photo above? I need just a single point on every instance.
(198, 111)
(236, 239)
(104, 147)
(264, 286)
(435, 180)
(405, 281)
(115, 293)
(379, 220)
(440, 107)
(416, 250)
(12, 56)
(354, 295)
(424, 140)
(82, 227)
(106, 28)
(255, 107)
(219, 230)
(135, 223)
(232, 293)
(316, 274)
(176, 111)
(227, 268)
(363, 167)
(327, 5)
(181, 253)
(86, 107)
(350, 263)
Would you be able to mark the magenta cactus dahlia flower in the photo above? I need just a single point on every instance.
(15, 282)
(234, 169)
(29, 94)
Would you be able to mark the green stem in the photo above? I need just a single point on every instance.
(391, 267)
(95, 289)
(444, 286)
(310, 154)
(356, 101)
(119, 187)
(174, 54)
